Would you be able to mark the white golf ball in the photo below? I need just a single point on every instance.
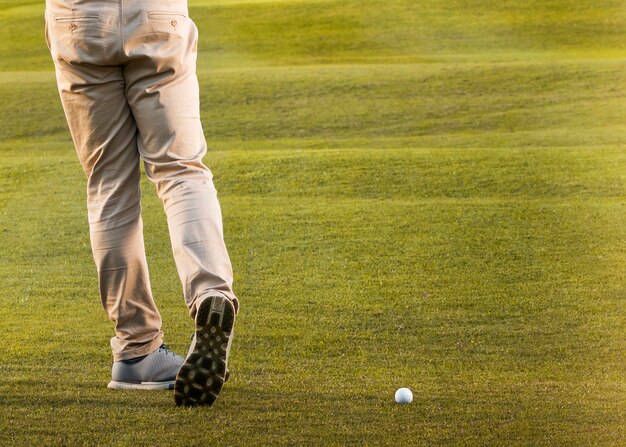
(404, 396)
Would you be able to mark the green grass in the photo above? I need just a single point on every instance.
(424, 194)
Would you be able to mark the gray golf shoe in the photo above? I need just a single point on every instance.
(156, 371)
(205, 370)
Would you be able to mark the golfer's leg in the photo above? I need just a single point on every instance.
(104, 133)
(162, 90)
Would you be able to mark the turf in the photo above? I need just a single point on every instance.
(424, 194)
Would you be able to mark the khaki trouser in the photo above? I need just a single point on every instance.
(125, 71)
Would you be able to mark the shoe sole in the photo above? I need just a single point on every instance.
(203, 374)
(114, 385)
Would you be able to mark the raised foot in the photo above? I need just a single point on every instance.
(204, 372)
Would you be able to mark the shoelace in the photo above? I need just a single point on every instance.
(166, 349)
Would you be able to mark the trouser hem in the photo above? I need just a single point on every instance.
(204, 295)
(146, 349)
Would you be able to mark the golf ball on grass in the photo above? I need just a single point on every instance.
(404, 396)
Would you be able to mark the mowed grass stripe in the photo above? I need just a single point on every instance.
(301, 32)
(293, 33)
(477, 105)
(417, 174)
(384, 101)
(408, 174)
